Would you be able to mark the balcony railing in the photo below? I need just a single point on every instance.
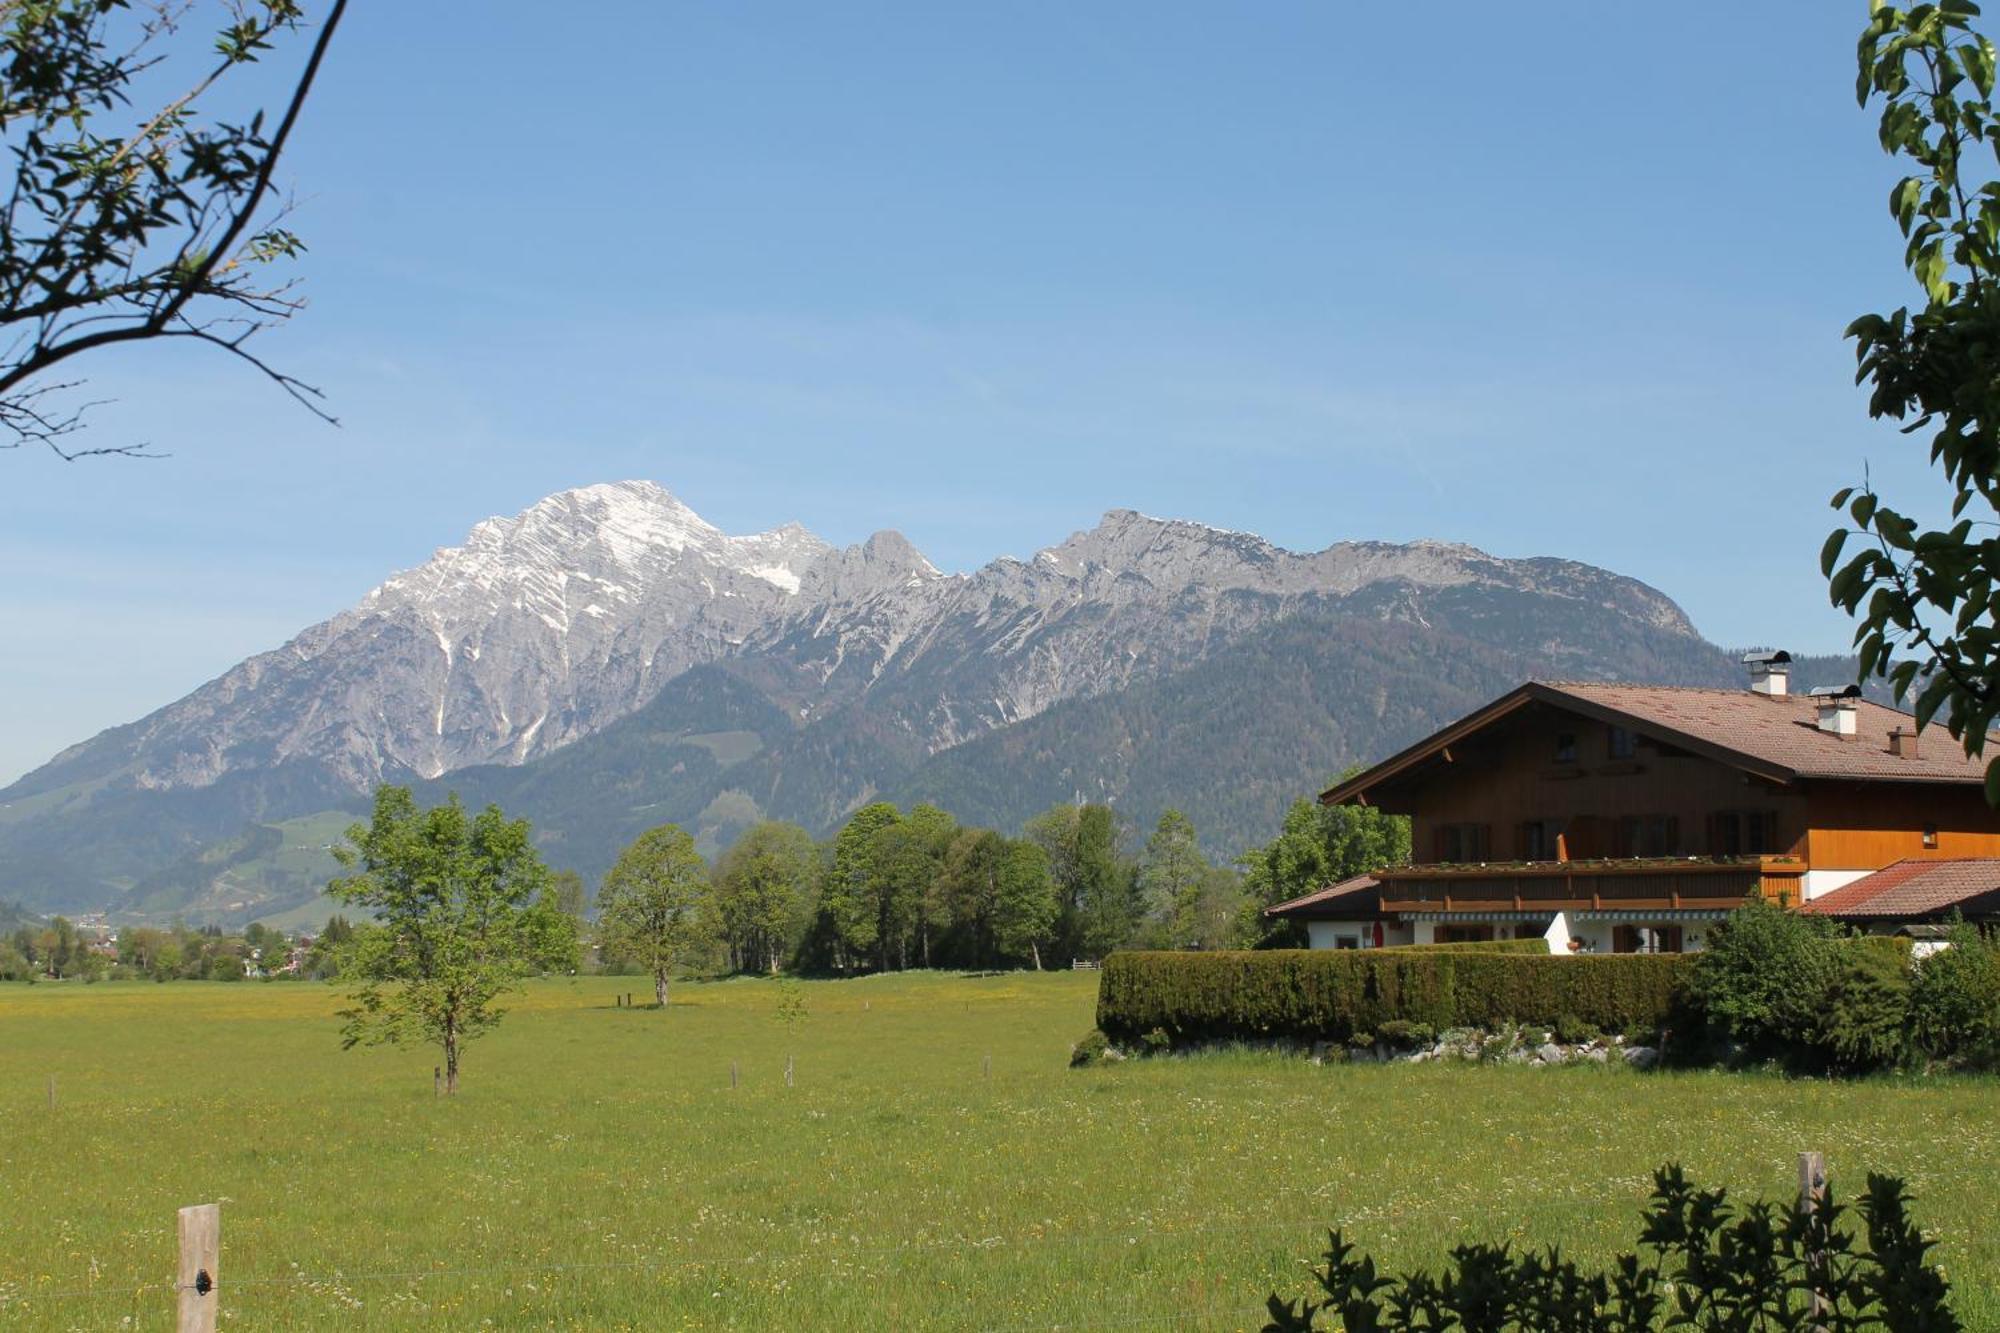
(1556, 886)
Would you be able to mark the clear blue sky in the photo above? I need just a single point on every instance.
(1568, 281)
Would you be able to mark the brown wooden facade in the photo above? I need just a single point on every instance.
(1545, 808)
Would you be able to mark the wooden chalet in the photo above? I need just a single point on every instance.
(1623, 818)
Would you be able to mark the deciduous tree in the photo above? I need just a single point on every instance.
(658, 907)
(1926, 595)
(453, 895)
(764, 885)
(125, 226)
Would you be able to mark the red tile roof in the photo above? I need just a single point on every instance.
(1917, 889)
(1356, 899)
(1775, 736)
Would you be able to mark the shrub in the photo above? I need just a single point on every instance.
(1573, 1031)
(1089, 1049)
(1405, 1035)
(1707, 1264)
(1864, 1019)
(1763, 975)
(1955, 998)
(1330, 995)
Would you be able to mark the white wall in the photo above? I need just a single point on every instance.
(1325, 934)
(1826, 881)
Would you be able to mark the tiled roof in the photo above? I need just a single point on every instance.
(1356, 899)
(1917, 889)
(1776, 736)
(1782, 731)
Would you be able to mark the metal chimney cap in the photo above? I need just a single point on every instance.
(1829, 693)
(1772, 658)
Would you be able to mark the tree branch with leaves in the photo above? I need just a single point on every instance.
(1925, 596)
(122, 229)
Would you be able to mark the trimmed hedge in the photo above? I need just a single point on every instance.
(1330, 995)
(1536, 946)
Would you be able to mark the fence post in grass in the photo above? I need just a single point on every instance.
(201, 1256)
(732, 1073)
(1812, 1198)
(52, 1092)
(788, 1071)
(437, 1081)
(986, 1067)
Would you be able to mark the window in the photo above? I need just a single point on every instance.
(1565, 747)
(1537, 840)
(1347, 941)
(1463, 842)
(1743, 833)
(1648, 835)
(1930, 836)
(1622, 742)
(1646, 939)
(1464, 934)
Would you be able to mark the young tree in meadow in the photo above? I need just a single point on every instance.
(452, 895)
(764, 892)
(657, 906)
(1170, 879)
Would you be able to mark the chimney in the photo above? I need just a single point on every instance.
(1903, 744)
(1839, 710)
(1770, 673)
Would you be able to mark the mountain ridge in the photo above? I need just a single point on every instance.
(858, 669)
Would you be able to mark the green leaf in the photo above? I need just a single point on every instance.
(1829, 554)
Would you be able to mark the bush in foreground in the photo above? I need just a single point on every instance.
(1706, 1265)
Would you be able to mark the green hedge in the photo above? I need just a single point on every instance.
(1535, 946)
(1330, 995)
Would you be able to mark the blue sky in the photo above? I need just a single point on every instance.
(1568, 281)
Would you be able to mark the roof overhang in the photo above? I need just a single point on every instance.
(1357, 787)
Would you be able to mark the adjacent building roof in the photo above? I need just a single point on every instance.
(1774, 736)
(1357, 899)
(1915, 890)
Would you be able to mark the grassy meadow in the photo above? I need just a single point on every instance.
(598, 1170)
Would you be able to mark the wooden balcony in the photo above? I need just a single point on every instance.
(1608, 885)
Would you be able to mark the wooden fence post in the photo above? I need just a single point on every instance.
(986, 1067)
(1812, 1197)
(732, 1073)
(788, 1071)
(201, 1255)
(52, 1092)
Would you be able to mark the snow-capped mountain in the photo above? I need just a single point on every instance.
(558, 624)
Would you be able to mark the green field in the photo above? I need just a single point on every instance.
(600, 1172)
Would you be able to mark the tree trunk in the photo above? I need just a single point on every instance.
(1036, 950)
(660, 987)
(450, 1058)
